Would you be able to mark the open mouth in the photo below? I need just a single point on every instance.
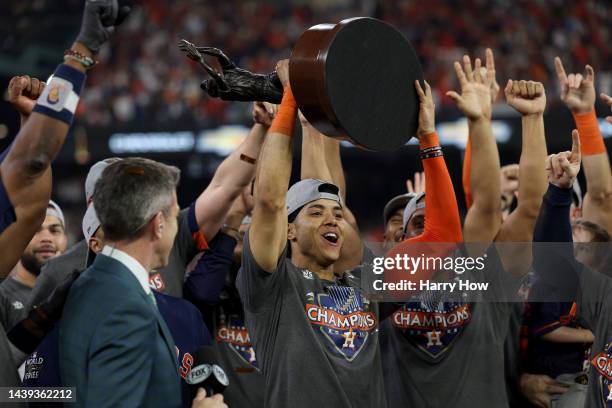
(331, 237)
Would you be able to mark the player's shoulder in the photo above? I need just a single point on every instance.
(74, 258)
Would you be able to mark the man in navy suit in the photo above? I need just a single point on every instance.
(115, 347)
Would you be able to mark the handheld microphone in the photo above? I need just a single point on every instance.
(206, 373)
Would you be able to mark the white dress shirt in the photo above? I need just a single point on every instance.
(132, 264)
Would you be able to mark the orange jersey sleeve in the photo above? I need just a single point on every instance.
(442, 222)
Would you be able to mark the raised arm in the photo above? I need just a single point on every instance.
(442, 222)
(555, 264)
(578, 93)
(25, 172)
(233, 175)
(483, 219)
(529, 99)
(321, 160)
(268, 232)
(205, 282)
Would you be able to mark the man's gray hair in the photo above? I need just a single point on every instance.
(130, 192)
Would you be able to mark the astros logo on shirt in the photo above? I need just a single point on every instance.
(343, 318)
(433, 331)
(602, 362)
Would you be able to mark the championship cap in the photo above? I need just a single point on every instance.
(309, 190)
(416, 203)
(395, 204)
(94, 175)
(54, 210)
(91, 223)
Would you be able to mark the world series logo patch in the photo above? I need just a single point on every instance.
(602, 362)
(343, 318)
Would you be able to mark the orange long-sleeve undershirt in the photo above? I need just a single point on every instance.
(442, 222)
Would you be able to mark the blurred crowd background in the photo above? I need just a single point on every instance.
(144, 83)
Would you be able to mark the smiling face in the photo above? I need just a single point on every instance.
(49, 241)
(317, 232)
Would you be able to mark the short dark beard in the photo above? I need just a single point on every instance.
(31, 264)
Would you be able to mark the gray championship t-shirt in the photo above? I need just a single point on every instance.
(15, 298)
(450, 354)
(9, 376)
(594, 306)
(237, 356)
(168, 280)
(316, 340)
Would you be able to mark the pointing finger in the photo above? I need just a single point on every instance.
(560, 71)
(575, 156)
(590, 74)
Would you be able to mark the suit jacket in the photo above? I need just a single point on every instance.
(114, 346)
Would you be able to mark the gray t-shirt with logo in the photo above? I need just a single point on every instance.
(594, 306)
(316, 340)
(237, 355)
(438, 353)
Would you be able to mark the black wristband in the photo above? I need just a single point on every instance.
(431, 152)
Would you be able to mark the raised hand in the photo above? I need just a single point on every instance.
(608, 100)
(475, 99)
(418, 185)
(99, 19)
(282, 70)
(427, 110)
(509, 180)
(577, 91)
(23, 92)
(234, 84)
(527, 97)
(263, 113)
(490, 74)
(563, 168)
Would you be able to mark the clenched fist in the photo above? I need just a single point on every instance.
(527, 97)
(23, 91)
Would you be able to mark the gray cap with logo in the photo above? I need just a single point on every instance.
(395, 204)
(94, 174)
(309, 190)
(91, 223)
(54, 210)
(416, 203)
